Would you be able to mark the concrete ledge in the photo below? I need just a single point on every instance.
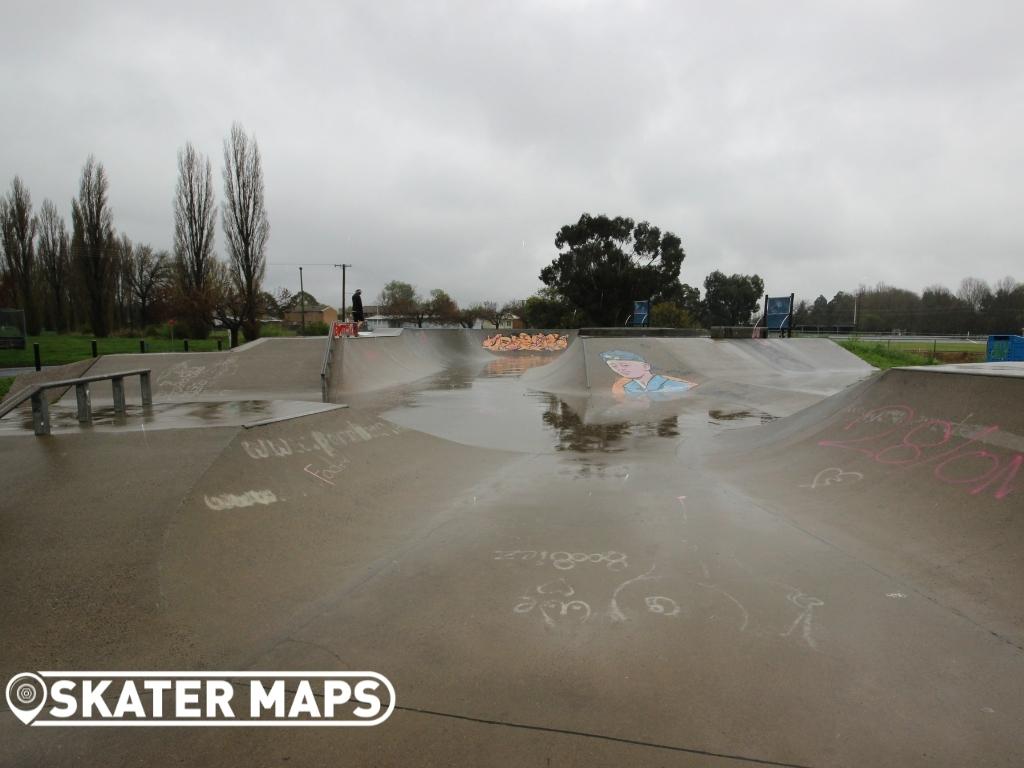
(639, 332)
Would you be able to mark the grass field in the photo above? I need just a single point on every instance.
(930, 351)
(940, 346)
(5, 385)
(884, 356)
(69, 348)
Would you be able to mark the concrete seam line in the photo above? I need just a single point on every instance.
(276, 419)
(604, 737)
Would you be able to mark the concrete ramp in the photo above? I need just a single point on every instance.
(919, 471)
(268, 368)
(771, 377)
(817, 365)
(790, 561)
(374, 362)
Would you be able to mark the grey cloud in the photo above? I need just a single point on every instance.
(820, 145)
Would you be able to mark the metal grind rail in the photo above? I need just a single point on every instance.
(41, 406)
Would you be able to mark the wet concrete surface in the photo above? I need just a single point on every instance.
(159, 416)
(547, 578)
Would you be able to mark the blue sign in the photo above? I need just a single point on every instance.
(641, 312)
(778, 313)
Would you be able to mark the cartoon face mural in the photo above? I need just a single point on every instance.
(639, 380)
(524, 342)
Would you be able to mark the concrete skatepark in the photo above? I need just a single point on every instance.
(794, 561)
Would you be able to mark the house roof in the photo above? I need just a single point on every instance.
(311, 308)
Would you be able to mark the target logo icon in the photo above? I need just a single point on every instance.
(26, 696)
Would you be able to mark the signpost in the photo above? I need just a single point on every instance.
(778, 314)
(344, 268)
(641, 313)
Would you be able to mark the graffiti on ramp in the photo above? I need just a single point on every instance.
(638, 379)
(525, 342)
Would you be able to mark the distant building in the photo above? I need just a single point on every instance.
(315, 313)
(513, 322)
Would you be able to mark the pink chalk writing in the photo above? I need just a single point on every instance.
(893, 436)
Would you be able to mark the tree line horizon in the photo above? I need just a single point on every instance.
(98, 280)
(606, 263)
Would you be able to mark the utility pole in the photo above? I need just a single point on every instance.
(343, 268)
(302, 302)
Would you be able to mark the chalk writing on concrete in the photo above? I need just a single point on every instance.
(894, 436)
(744, 614)
(661, 604)
(546, 599)
(326, 473)
(188, 379)
(556, 601)
(325, 443)
(236, 500)
(614, 611)
(833, 476)
(805, 620)
(682, 506)
(565, 561)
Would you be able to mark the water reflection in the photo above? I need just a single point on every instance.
(514, 365)
(760, 417)
(574, 434)
(455, 377)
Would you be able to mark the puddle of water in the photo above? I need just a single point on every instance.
(758, 417)
(64, 419)
(495, 411)
(514, 365)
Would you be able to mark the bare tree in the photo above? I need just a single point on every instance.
(55, 263)
(149, 273)
(973, 291)
(93, 248)
(1006, 285)
(195, 212)
(18, 233)
(489, 311)
(122, 279)
(228, 304)
(246, 228)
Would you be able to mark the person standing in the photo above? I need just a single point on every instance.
(357, 308)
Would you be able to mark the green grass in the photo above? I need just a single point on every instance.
(883, 356)
(275, 330)
(5, 385)
(69, 348)
(925, 347)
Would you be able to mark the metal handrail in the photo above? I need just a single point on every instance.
(325, 369)
(41, 406)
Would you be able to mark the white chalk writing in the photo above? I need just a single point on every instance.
(326, 443)
(805, 620)
(831, 476)
(551, 608)
(565, 561)
(326, 473)
(235, 500)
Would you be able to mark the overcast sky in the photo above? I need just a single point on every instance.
(819, 144)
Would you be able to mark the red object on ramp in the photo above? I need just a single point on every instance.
(340, 329)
